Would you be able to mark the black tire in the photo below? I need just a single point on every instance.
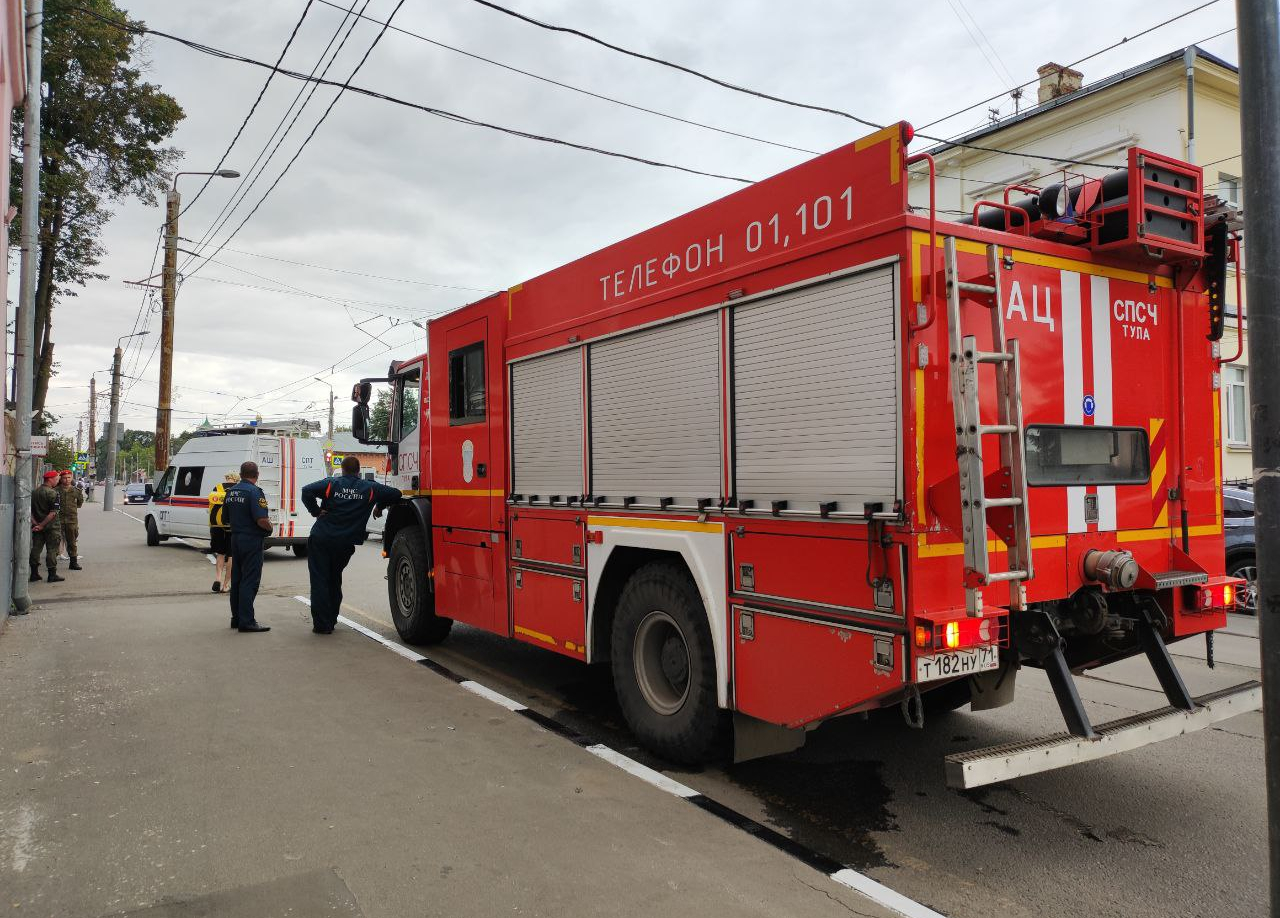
(664, 669)
(299, 551)
(413, 602)
(153, 534)
(1246, 568)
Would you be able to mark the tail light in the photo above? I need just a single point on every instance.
(1217, 594)
(958, 633)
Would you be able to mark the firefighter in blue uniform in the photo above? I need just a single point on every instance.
(341, 506)
(245, 511)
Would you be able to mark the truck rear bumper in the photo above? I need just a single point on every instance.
(1013, 760)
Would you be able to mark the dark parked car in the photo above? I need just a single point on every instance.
(137, 493)
(1237, 508)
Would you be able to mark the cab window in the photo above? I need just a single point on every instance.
(165, 486)
(188, 481)
(466, 384)
(407, 420)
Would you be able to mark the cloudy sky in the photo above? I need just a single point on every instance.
(442, 211)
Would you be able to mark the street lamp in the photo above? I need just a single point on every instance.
(113, 440)
(330, 385)
(168, 298)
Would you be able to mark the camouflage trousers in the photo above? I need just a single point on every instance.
(70, 534)
(45, 540)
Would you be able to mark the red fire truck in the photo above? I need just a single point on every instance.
(807, 451)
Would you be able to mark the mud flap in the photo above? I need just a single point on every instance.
(754, 738)
(994, 688)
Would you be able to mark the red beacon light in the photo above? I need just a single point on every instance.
(908, 133)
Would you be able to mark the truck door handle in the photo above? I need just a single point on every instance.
(480, 470)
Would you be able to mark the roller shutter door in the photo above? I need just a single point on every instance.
(816, 395)
(655, 413)
(546, 416)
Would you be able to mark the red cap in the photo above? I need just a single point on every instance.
(48, 475)
(65, 472)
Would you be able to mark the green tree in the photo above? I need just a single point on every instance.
(62, 452)
(101, 136)
(380, 415)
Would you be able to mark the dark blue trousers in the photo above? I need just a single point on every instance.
(246, 575)
(326, 560)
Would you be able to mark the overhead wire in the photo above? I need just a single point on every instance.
(252, 108)
(579, 89)
(280, 133)
(404, 103)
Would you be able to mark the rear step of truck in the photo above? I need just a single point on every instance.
(1012, 760)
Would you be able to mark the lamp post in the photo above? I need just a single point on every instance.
(168, 297)
(113, 441)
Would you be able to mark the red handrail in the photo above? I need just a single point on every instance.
(931, 311)
(1025, 189)
(1008, 208)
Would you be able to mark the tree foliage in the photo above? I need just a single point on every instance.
(102, 133)
(380, 415)
(62, 452)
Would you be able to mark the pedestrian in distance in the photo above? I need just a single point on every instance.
(245, 507)
(341, 506)
(46, 532)
(70, 500)
(220, 532)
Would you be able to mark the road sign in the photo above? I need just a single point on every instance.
(39, 446)
(336, 461)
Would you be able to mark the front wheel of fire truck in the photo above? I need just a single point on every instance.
(409, 591)
(664, 668)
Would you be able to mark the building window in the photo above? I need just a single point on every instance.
(1235, 383)
(1229, 188)
(466, 384)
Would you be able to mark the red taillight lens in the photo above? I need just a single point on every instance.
(908, 134)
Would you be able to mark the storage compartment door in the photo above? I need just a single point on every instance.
(816, 395)
(549, 610)
(794, 671)
(546, 425)
(655, 414)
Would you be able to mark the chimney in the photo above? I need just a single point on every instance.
(1056, 80)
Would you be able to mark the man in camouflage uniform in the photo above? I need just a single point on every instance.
(46, 532)
(70, 499)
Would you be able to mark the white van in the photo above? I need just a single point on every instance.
(179, 505)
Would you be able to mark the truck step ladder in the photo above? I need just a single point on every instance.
(971, 431)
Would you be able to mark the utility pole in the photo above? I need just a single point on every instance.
(1258, 34)
(91, 468)
(80, 437)
(168, 299)
(113, 442)
(168, 295)
(322, 382)
(25, 324)
(113, 438)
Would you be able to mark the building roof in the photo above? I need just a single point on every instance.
(344, 442)
(1083, 92)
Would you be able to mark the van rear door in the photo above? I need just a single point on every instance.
(269, 453)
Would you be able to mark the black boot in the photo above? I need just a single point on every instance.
(52, 575)
(75, 565)
(35, 574)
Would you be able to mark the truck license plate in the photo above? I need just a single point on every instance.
(957, 663)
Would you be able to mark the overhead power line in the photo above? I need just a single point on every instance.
(404, 103)
(755, 92)
(252, 108)
(579, 89)
(1087, 57)
(281, 132)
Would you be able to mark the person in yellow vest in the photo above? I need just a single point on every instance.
(220, 532)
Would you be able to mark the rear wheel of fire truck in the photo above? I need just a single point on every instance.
(412, 600)
(664, 668)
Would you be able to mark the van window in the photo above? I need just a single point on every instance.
(188, 482)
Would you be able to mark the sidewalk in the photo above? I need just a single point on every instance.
(156, 762)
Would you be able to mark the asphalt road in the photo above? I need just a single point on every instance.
(1174, 829)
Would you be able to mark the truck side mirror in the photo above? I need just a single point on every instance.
(361, 392)
(360, 421)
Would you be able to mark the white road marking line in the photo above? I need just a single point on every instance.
(847, 877)
(643, 772)
(496, 697)
(882, 894)
(209, 557)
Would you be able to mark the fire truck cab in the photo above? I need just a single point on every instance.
(804, 452)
